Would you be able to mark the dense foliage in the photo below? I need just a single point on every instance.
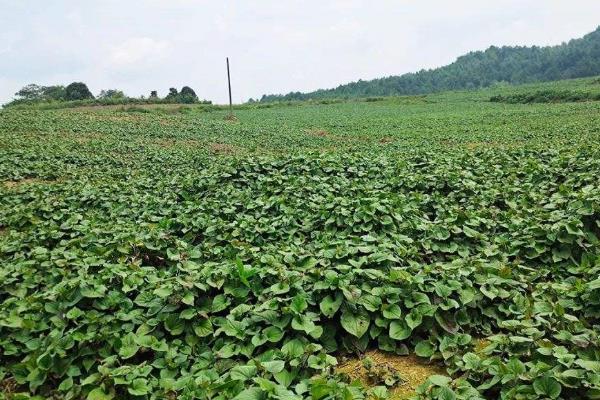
(547, 96)
(180, 255)
(78, 91)
(33, 92)
(186, 96)
(77, 94)
(496, 65)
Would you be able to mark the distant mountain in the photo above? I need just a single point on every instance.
(515, 65)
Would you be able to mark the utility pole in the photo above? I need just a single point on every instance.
(229, 84)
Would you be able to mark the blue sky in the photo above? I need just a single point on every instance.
(275, 46)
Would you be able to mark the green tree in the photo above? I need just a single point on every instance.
(78, 91)
(30, 92)
(111, 94)
(187, 95)
(56, 92)
(173, 95)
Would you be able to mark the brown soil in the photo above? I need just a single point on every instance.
(413, 370)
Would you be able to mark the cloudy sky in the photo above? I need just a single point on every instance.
(275, 46)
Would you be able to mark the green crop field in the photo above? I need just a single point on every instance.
(166, 252)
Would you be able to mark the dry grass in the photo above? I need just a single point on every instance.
(213, 147)
(8, 386)
(480, 346)
(22, 182)
(167, 143)
(492, 145)
(83, 138)
(223, 148)
(413, 370)
(318, 132)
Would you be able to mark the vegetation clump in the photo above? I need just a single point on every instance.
(77, 94)
(547, 96)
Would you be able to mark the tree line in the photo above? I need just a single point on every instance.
(497, 65)
(80, 93)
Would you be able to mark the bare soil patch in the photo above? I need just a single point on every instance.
(412, 370)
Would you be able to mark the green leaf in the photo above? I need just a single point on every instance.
(303, 323)
(414, 318)
(203, 328)
(547, 386)
(293, 348)
(251, 393)
(188, 299)
(447, 322)
(399, 330)
(471, 361)
(129, 347)
(515, 366)
(174, 324)
(285, 378)
(66, 384)
(424, 349)
(243, 372)
(299, 304)
(273, 334)
(99, 394)
(356, 324)
(329, 306)
(391, 311)
(445, 393)
(593, 366)
(139, 387)
(273, 366)
(439, 380)
(163, 291)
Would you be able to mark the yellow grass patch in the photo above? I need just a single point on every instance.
(318, 132)
(26, 181)
(412, 370)
(222, 148)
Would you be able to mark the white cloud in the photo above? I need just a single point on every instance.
(138, 50)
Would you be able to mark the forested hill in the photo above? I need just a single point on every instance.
(515, 65)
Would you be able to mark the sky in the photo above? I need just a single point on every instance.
(274, 46)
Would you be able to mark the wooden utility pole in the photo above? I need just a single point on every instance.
(229, 84)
